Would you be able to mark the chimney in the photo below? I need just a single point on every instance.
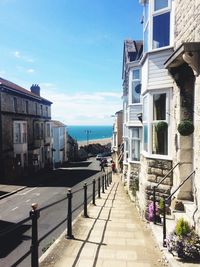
(35, 89)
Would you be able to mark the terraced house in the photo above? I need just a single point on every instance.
(25, 130)
(169, 67)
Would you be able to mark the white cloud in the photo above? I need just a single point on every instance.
(30, 70)
(23, 57)
(93, 108)
(17, 54)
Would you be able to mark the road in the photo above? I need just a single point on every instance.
(44, 192)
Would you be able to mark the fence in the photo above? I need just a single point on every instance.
(99, 185)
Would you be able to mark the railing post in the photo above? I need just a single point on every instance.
(103, 184)
(99, 187)
(111, 174)
(85, 200)
(154, 205)
(164, 222)
(93, 195)
(69, 216)
(107, 179)
(34, 214)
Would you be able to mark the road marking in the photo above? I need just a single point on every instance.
(22, 194)
(14, 208)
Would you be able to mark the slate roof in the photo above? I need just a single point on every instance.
(18, 89)
(57, 124)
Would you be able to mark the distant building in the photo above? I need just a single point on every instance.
(59, 148)
(72, 148)
(117, 139)
(25, 130)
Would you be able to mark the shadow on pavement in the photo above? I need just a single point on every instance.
(62, 177)
(12, 240)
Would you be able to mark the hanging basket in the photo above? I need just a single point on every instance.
(161, 126)
(185, 127)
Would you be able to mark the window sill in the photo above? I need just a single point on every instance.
(134, 161)
(155, 50)
(155, 156)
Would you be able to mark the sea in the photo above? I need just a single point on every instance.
(90, 132)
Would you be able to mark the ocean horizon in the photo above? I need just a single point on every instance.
(90, 132)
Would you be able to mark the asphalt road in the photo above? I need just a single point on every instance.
(43, 190)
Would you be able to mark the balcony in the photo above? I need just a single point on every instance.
(133, 111)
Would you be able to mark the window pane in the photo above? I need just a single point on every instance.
(159, 4)
(135, 133)
(136, 74)
(161, 29)
(136, 89)
(159, 141)
(145, 108)
(136, 150)
(146, 12)
(146, 34)
(159, 107)
(145, 136)
(17, 133)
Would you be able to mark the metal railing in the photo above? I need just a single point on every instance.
(164, 206)
(102, 182)
(154, 191)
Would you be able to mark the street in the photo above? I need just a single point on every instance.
(17, 207)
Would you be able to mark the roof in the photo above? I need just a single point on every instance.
(18, 89)
(57, 124)
(133, 50)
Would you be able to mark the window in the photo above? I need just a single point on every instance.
(155, 106)
(161, 30)
(26, 106)
(41, 110)
(136, 86)
(146, 25)
(135, 143)
(42, 130)
(48, 130)
(19, 132)
(46, 111)
(15, 104)
(36, 109)
(160, 4)
(37, 130)
(159, 138)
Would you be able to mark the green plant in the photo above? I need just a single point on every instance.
(184, 241)
(161, 205)
(182, 227)
(161, 126)
(185, 127)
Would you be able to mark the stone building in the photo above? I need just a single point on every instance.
(25, 130)
(183, 65)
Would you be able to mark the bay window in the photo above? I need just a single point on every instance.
(155, 112)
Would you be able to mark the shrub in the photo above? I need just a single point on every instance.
(161, 205)
(186, 127)
(184, 241)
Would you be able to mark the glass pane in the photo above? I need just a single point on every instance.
(161, 29)
(135, 133)
(136, 74)
(146, 12)
(146, 34)
(159, 4)
(135, 150)
(159, 141)
(145, 108)
(159, 107)
(145, 136)
(136, 89)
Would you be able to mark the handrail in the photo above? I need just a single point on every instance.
(164, 206)
(154, 191)
(169, 197)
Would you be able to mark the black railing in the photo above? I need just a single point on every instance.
(154, 191)
(166, 202)
(35, 214)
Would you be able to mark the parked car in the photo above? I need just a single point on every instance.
(101, 157)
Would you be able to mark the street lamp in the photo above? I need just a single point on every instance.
(87, 134)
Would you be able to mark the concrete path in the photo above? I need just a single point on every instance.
(112, 236)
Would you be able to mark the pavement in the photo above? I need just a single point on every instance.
(113, 235)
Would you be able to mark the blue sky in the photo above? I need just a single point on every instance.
(72, 49)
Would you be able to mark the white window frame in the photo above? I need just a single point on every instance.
(131, 85)
(149, 24)
(150, 122)
(132, 138)
(22, 138)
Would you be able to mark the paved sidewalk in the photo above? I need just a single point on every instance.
(7, 190)
(112, 236)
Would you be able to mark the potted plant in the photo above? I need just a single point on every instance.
(161, 126)
(184, 241)
(185, 127)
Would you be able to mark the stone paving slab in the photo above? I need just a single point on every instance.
(112, 236)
